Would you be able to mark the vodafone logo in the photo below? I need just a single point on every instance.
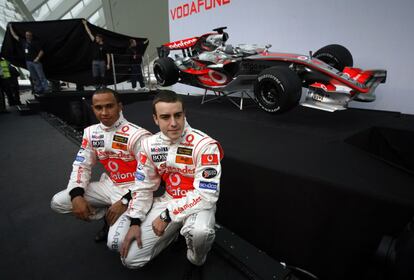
(125, 128)
(217, 77)
(113, 166)
(189, 138)
(182, 44)
(195, 7)
(175, 179)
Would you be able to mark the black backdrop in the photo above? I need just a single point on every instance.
(68, 49)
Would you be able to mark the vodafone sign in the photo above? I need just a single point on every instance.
(194, 7)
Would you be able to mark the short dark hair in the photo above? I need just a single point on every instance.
(108, 90)
(167, 96)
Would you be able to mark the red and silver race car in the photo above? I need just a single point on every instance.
(275, 78)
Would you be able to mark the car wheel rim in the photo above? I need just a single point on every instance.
(268, 94)
(158, 75)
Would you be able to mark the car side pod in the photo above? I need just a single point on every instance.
(335, 96)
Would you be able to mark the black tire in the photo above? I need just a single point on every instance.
(165, 71)
(336, 56)
(277, 89)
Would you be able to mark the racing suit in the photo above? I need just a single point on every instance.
(191, 170)
(115, 147)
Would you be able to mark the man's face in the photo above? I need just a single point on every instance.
(106, 109)
(98, 39)
(28, 35)
(170, 119)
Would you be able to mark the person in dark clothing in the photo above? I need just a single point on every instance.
(33, 53)
(100, 59)
(135, 59)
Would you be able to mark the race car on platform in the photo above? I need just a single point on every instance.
(276, 79)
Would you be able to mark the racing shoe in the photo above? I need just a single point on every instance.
(192, 272)
(102, 235)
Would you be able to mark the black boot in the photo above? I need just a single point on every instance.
(102, 235)
(192, 272)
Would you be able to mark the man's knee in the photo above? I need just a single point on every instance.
(202, 235)
(60, 203)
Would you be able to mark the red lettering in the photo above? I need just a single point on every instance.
(200, 3)
(208, 7)
(173, 13)
(193, 8)
(186, 9)
(180, 12)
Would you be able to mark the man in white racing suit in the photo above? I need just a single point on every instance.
(114, 142)
(188, 161)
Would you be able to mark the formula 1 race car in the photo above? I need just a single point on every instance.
(275, 78)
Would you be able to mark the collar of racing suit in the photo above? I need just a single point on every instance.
(116, 124)
(168, 141)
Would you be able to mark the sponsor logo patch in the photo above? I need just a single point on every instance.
(208, 185)
(172, 169)
(184, 151)
(209, 173)
(98, 143)
(142, 158)
(188, 140)
(186, 206)
(116, 145)
(159, 157)
(120, 139)
(84, 143)
(159, 150)
(209, 159)
(184, 160)
(79, 159)
(98, 136)
(140, 176)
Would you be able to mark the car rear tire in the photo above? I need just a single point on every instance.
(336, 56)
(277, 89)
(165, 71)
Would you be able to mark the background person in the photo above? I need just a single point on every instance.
(136, 67)
(33, 53)
(114, 142)
(101, 60)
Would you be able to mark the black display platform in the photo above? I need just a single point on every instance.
(294, 188)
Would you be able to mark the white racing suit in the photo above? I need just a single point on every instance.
(191, 171)
(115, 147)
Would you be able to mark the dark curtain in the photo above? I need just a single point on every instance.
(68, 49)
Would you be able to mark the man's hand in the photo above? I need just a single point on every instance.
(134, 232)
(114, 212)
(81, 209)
(159, 226)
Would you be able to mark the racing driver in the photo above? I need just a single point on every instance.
(114, 142)
(188, 161)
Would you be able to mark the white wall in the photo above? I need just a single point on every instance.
(379, 34)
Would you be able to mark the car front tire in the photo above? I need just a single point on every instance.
(277, 89)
